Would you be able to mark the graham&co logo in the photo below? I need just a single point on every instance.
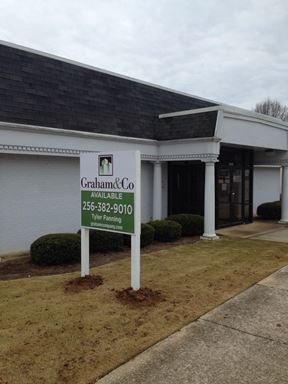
(117, 183)
(105, 165)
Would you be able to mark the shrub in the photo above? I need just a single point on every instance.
(166, 230)
(147, 236)
(56, 249)
(271, 210)
(103, 241)
(191, 224)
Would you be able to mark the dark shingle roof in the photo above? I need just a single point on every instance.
(39, 90)
(188, 126)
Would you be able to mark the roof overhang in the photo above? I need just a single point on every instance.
(237, 126)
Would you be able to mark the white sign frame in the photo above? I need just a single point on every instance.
(135, 237)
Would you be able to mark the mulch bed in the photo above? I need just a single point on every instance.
(83, 283)
(141, 297)
(21, 267)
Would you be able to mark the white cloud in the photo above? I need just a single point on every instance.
(228, 51)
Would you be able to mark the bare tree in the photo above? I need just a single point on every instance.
(272, 108)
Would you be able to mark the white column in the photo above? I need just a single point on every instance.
(157, 191)
(84, 252)
(209, 202)
(284, 196)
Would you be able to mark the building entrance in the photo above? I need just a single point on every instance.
(234, 187)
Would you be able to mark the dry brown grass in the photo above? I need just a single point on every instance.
(49, 336)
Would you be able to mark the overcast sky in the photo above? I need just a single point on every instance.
(234, 52)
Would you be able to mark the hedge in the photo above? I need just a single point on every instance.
(271, 210)
(147, 236)
(56, 249)
(166, 230)
(103, 241)
(191, 224)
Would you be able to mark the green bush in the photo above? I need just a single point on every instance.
(56, 249)
(147, 236)
(166, 230)
(103, 241)
(271, 210)
(191, 224)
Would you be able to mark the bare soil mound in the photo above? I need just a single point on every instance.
(82, 283)
(143, 296)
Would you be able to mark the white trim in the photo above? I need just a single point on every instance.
(267, 166)
(205, 157)
(101, 136)
(38, 150)
(213, 139)
(255, 115)
(189, 112)
(219, 125)
(152, 158)
(69, 132)
(235, 112)
(93, 68)
(271, 162)
(276, 123)
(53, 151)
(50, 151)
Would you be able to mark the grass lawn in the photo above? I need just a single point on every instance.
(49, 336)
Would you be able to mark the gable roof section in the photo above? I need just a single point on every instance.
(187, 126)
(40, 90)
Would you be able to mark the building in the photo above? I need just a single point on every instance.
(198, 155)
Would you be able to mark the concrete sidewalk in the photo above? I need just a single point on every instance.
(257, 228)
(244, 340)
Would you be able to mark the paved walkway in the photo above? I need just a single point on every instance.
(243, 341)
(258, 227)
(258, 230)
(279, 235)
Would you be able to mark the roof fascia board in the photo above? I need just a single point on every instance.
(255, 115)
(272, 123)
(232, 111)
(67, 132)
(189, 112)
(100, 136)
(219, 124)
(213, 139)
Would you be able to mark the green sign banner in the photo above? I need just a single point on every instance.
(111, 211)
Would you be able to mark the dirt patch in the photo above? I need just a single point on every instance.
(83, 283)
(144, 296)
(22, 267)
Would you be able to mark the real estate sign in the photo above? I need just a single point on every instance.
(108, 185)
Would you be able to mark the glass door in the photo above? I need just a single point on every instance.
(223, 194)
(234, 186)
(233, 197)
(236, 196)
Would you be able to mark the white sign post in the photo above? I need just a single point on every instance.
(110, 186)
